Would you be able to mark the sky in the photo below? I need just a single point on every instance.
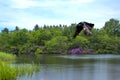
(28, 13)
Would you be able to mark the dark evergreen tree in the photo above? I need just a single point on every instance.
(36, 27)
(5, 30)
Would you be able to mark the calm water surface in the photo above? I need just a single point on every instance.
(74, 67)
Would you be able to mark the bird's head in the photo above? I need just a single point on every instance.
(87, 31)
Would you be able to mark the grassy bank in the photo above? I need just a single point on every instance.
(12, 71)
(6, 57)
(8, 72)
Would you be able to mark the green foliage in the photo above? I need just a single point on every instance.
(112, 27)
(4, 39)
(58, 39)
(80, 41)
(6, 57)
(19, 37)
(9, 72)
(57, 44)
(38, 52)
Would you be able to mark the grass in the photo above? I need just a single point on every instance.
(8, 72)
(12, 72)
(7, 57)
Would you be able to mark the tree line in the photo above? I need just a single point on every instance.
(58, 39)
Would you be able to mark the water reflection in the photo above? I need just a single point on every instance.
(86, 67)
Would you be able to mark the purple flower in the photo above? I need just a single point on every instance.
(76, 51)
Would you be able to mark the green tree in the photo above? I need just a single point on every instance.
(58, 39)
(112, 27)
(81, 42)
(19, 37)
(57, 44)
(4, 39)
(56, 32)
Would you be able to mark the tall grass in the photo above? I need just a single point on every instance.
(11, 71)
(8, 72)
(6, 57)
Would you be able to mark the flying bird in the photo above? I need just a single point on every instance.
(87, 27)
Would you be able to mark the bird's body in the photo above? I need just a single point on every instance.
(87, 27)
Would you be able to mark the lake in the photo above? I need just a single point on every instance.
(77, 67)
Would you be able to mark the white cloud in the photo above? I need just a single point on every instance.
(30, 22)
(80, 1)
(55, 12)
(21, 4)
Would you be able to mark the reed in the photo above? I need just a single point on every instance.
(10, 72)
(7, 57)
(13, 71)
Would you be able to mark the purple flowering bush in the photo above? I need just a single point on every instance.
(81, 51)
(76, 51)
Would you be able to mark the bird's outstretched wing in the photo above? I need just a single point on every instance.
(89, 25)
(79, 28)
(83, 25)
(87, 28)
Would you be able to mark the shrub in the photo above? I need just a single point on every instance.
(38, 52)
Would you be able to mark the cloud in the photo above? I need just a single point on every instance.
(27, 13)
(79, 1)
(22, 4)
